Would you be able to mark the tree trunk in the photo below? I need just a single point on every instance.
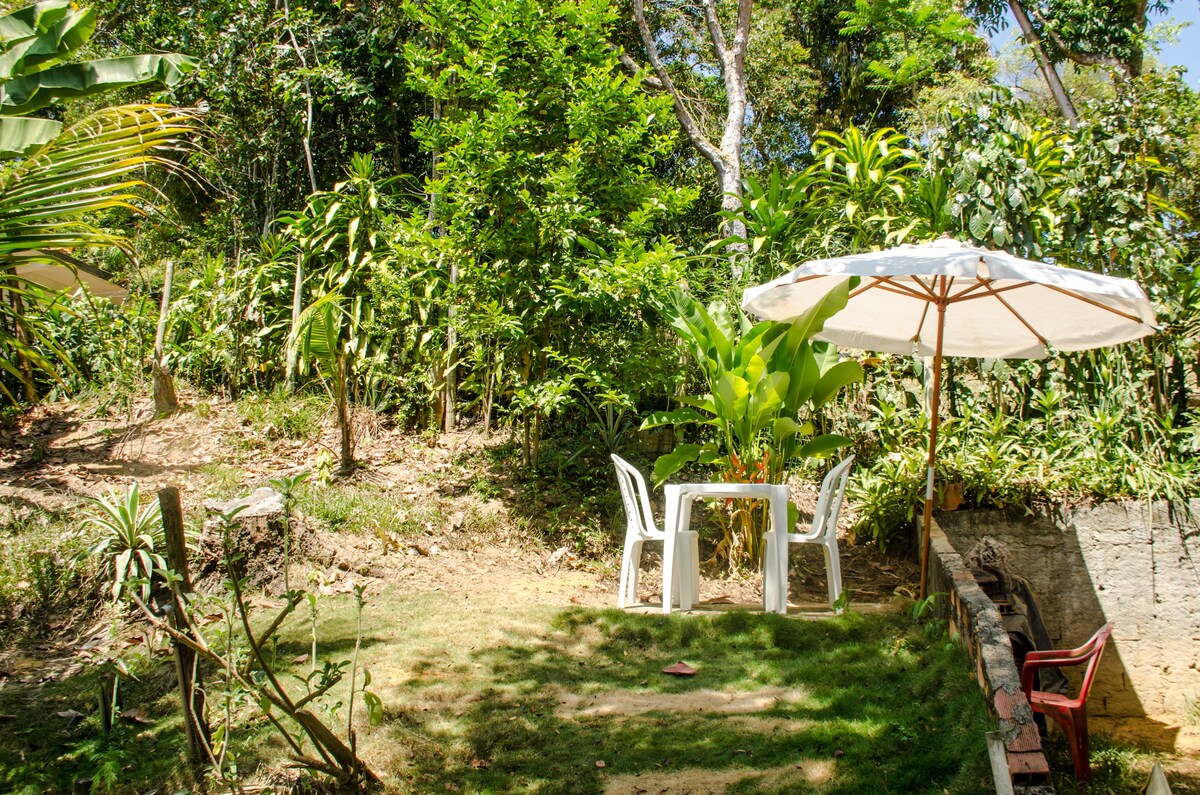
(1065, 106)
(293, 354)
(726, 158)
(165, 401)
(343, 409)
(187, 673)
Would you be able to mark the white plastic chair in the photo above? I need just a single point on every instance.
(640, 528)
(823, 531)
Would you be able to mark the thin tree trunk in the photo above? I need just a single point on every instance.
(726, 158)
(1049, 73)
(22, 335)
(343, 408)
(487, 401)
(293, 354)
(450, 382)
(165, 401)
(308, 118)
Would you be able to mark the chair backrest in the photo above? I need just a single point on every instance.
(636, 498)
(1093, 649)
(829, 502)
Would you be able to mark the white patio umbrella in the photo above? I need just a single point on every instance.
(946, 298)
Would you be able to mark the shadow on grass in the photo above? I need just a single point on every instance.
(865, 711)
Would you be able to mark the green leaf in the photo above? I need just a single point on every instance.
(658, 419)
(19, 136)
(838, 376)
(672, 462)
(374, 707)
(821, 446)
(25, 94)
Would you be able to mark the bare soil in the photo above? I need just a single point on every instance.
(61, 453)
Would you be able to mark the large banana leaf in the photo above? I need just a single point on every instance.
(20, 136)
(36, 44)
(38, 36)
(27, 93)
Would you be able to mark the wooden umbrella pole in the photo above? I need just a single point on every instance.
(933, 431)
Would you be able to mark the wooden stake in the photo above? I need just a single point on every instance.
(191, 682)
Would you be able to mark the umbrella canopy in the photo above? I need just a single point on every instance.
(948, 298)
(996, 305)
(54, 276)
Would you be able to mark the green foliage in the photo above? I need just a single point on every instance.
(874, 60)
(104, 344)
(765, 384)
(37, 44)
(862, 183)
(1017, 437)
(223, 327)
(44, 574)
(544, 196)
(131, 541)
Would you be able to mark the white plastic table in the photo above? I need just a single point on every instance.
(678, 510)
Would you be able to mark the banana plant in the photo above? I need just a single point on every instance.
(766, 382)
(36, 44)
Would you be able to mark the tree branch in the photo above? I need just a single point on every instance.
(634, 68)
(1075, 56)
(686, 120)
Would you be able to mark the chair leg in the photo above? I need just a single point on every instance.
(1080, 745)
(775, 573)
(630, 561)
(687, 583)
(833, 572)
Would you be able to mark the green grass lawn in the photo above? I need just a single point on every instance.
(480, 698)
(496, 697)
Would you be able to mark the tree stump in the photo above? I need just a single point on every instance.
(257, 538)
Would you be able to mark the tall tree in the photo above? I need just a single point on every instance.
(546, 194)
(728, 43)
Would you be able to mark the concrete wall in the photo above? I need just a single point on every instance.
(1112, 562)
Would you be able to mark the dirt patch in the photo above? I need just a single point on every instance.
(715, 782)
(632, 702)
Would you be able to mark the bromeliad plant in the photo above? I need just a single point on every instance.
(131, 539)
(766, 382)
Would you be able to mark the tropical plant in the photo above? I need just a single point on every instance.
(37, 43)
(48, 199)
(236, 647)
(131, 537)
(862, 181)
(766, 382)
(68, 173)
(327, 336)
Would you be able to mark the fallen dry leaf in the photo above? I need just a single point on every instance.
(480, 764)
(303, 658)
(70, 714)
(723, 599)
(599, 763)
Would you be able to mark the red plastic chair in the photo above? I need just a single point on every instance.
(1069, 713)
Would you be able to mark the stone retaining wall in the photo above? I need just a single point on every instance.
(975, 620)
(1113, 562)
